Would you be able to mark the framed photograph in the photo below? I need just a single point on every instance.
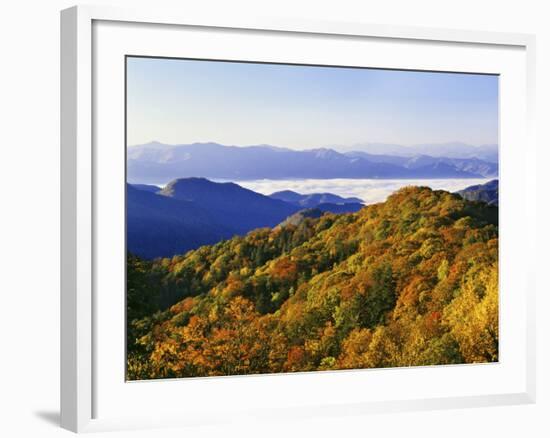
(282, 218)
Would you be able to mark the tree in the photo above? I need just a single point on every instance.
(411, 281)
(472, 316)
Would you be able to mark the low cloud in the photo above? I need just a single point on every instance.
(369, 190)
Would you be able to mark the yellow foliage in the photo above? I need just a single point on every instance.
(411, 281)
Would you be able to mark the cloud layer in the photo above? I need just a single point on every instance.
(369, 190)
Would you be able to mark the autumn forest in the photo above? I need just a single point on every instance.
(409, 281)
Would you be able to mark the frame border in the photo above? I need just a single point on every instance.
(77, 199)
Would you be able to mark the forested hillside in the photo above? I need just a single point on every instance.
(487, 192)
(192, 212)
(411, 281)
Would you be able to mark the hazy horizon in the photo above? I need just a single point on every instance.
(177, 101)
(337, 147)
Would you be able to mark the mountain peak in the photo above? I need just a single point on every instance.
(243, 208)
(158, 164)
(197, 182)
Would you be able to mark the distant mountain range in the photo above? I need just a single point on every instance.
(488, 152)
(439, 166)
(322, 202)
(191, 212)
(487, 192)
(159, 163)
(312, 200)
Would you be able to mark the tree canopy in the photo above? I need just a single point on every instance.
(411, 281)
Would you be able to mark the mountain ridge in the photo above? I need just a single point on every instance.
(191, 212)
(311, 200)
(242, 208)
(158, 163)
(487, 192)
(160, 226)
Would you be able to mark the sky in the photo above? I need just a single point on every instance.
(178, 101)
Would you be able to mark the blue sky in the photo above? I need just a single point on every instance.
(300, 107)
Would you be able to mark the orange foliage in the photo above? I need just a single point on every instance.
(411, 281)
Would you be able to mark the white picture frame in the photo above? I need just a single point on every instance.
(81, 272)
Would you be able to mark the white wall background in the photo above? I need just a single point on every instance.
(29, 218)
